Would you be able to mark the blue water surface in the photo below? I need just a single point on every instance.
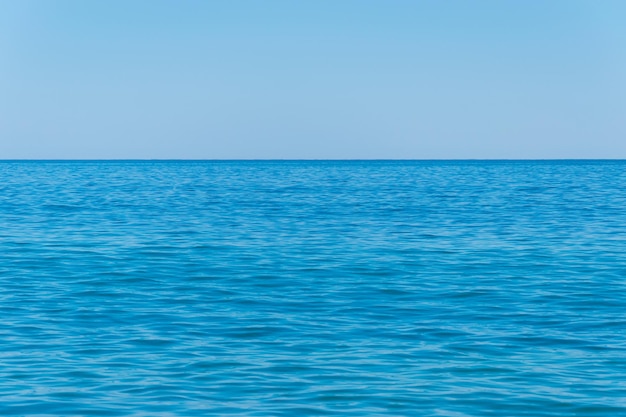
(295, 288)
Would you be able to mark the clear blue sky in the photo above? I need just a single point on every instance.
(312, 79)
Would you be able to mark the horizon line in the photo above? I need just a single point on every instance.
(297, 159)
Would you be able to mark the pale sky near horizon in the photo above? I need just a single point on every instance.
(336, 79)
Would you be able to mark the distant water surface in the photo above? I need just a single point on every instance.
(313, 288)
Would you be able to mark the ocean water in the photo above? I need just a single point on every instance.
(294, 288)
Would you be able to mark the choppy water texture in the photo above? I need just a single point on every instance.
(313, 288)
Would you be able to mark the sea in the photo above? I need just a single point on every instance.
(313, 288)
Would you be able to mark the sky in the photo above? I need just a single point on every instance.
(312, 79)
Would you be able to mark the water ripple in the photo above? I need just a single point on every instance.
(313, 288)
